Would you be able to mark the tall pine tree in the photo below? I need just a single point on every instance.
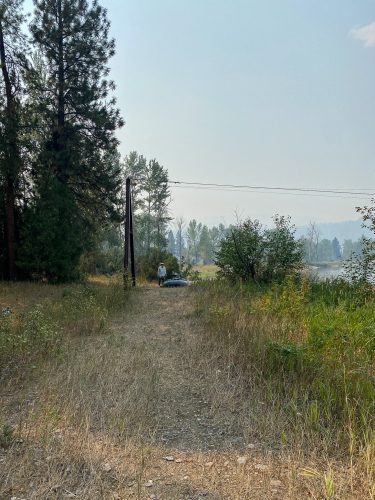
(157, 198)
(78, 170)
(12, 47)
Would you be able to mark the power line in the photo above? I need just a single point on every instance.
(287, 190)
(280, 193)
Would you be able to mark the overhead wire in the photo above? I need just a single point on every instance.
(278, 193)
(294, 191)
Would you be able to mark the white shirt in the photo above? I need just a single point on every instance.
(162, 271)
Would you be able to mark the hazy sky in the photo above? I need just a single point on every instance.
(266, 92)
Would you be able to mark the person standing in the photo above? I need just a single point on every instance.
(162, 273)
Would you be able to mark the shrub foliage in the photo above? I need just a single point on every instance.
(252, 253)
(148, 264)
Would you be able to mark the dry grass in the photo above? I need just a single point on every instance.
(36, 320)
(98, 422)
(206, 271)
(22, 295)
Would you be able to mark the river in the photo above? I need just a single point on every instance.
(326, 272)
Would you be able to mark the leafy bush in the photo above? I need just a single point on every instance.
(361, 268)
(26, 335)
(252, 253)
(148, 264)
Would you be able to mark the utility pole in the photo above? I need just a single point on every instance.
(129, 237)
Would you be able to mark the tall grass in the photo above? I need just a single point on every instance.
(311, 346)
(35, 318)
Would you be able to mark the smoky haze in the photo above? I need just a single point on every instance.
(265, 93)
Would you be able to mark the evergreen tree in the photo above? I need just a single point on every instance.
(336, 249)
(325, 250)
(78, 162)
(171, 243)
(135, 166)
(50, 247)
(12, 47)
(205, 245)
(157, 197)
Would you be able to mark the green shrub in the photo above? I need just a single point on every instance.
(251, 253)
(148, 264)
(25, 335)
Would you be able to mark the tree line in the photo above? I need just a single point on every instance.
(194, 242)
(198, 244)
(317, 249)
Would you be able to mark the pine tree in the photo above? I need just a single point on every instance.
(205, 245)
(79, 158)
(12, 47)
(53, 235)
(157, 197)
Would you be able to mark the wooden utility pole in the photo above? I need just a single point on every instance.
(129, 237)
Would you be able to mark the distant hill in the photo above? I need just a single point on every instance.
(346, 230)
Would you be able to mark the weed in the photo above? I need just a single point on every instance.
(27, 333)
(7, 437)
(329, 487)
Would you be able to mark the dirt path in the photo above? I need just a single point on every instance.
(185, 419)
(141, 413)
(201, 447)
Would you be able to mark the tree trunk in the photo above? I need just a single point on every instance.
(149, 224)
(10, 231)
(61, 73)
(59, 133)
(11, 157)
